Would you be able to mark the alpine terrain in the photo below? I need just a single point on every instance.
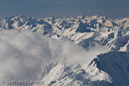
(64, 51)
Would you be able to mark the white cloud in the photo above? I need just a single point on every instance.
(22, 54)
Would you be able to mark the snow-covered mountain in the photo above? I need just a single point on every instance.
(109, 69)
(105, 38)
(81, 30)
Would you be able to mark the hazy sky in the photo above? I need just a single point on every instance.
(43, 8)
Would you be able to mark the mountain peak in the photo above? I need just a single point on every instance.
(80, 16)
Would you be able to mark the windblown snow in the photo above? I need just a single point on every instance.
(64, 51)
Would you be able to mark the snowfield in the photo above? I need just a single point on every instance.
(64, 51)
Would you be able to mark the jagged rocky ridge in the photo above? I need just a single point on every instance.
(109, 69)
(81, 30)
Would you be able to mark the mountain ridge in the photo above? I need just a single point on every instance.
(100, 35)
(73, 28)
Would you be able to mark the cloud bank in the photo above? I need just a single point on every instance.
(23, 53)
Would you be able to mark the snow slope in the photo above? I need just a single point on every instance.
(109, 69)
(115, 64)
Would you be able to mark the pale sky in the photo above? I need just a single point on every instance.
(45, 8)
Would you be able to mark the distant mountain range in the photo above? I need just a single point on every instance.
(106, 69)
